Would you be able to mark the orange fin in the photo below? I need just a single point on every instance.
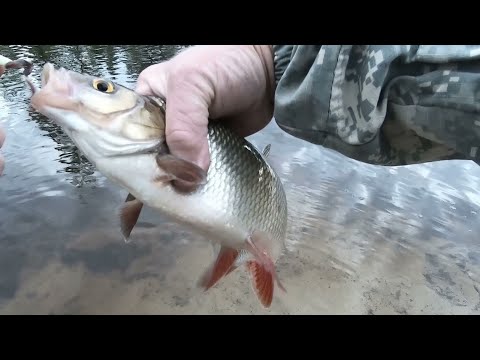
(262, 280)
(222, 266)
(129, 215)
(186, 176)
(257, 245)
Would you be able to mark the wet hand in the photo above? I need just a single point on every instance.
(2, 161)
(229, 82)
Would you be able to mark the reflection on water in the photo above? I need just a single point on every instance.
(362, 239)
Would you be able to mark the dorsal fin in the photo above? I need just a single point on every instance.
(266, 150)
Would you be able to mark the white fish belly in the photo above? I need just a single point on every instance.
(199, 212)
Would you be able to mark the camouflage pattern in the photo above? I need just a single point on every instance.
(382, 104)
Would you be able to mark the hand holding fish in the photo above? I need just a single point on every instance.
(232, 83)
(239, 203)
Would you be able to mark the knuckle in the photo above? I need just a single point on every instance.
(184, 69)
(185, 74)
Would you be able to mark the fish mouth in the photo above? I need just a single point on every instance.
(56, 92)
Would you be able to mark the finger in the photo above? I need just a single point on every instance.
(143, 86)
(189, 97)
(153, 80)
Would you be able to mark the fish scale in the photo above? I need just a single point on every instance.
(244, 183)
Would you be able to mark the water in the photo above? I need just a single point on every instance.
(362, 239)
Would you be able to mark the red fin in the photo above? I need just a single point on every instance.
(222, 266)
(187, 176)
(257, 245)
(262, 280)
(129, 215)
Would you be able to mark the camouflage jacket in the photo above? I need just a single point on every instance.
(382, 104)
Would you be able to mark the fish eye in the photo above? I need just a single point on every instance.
(103, 86)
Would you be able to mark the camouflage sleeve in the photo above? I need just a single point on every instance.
(388, 105)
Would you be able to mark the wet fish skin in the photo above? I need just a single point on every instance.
(246, 186)
(239, 203)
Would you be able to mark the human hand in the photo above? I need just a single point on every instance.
(231, 82)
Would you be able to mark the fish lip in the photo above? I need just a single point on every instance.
(58, 93)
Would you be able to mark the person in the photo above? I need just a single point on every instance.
(380, 104)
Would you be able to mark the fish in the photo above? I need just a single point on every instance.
(239, 204)
(6, 63)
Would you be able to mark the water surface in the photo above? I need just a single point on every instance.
(362, 239)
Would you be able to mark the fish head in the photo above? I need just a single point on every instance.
(103, 118)
(115, 128)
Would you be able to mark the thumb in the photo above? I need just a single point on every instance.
(189, 99)
(153, 80)
(189, 95)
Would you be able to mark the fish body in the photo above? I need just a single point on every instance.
(239, 204)
(6, 63)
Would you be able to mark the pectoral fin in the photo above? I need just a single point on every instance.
(129, 215)
(185, 176)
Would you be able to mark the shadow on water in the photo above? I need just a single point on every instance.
(362, 239)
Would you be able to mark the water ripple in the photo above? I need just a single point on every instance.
(361, 238)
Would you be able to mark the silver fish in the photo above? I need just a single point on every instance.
(239, 204)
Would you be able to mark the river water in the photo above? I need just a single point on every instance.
(362, 239)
